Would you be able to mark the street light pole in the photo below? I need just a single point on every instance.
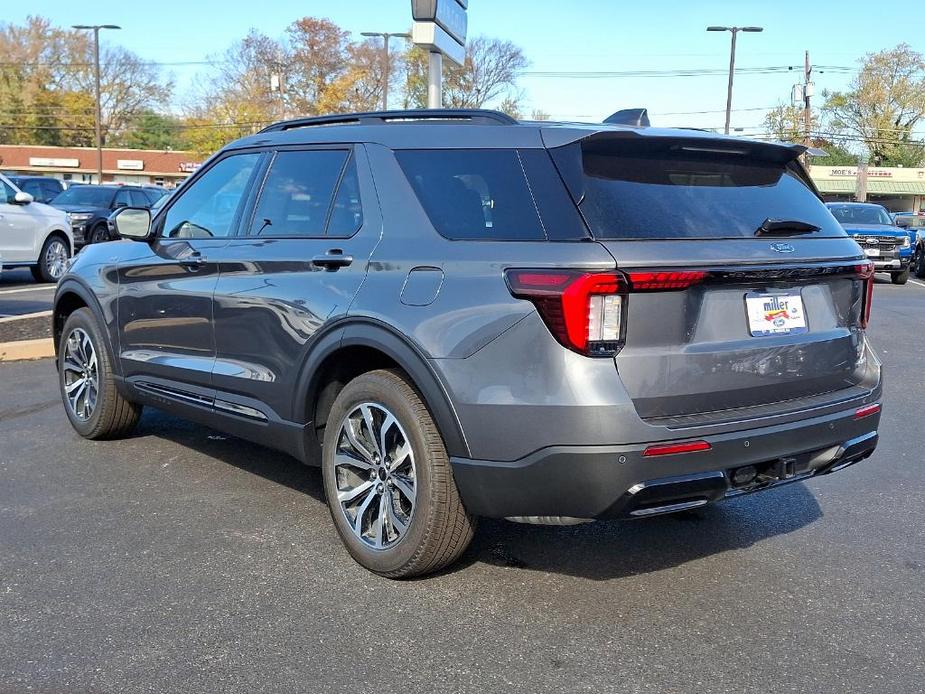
(385, 60)
(732, 65)
(96, 62)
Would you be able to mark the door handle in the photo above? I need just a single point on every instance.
(332, 260)
(194, 260)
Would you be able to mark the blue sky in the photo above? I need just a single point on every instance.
(588, 36)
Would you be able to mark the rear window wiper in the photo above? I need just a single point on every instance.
(784, 227)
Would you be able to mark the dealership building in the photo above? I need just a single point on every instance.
(79, 164)
(896, 188)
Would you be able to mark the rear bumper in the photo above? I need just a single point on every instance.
(891, 264)
(618, 481)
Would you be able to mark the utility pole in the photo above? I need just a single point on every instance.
(99, 116)
(860, 191)
(385, 60)
(807, 93)
(732, 64)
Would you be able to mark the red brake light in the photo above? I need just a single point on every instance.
(664, 280)
(673, 448)
(583, 310)
(866, 274)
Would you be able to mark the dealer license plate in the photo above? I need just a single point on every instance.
(775, 314)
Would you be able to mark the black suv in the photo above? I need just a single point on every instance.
(456, 314)
(89, 206)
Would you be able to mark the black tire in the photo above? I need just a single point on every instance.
(900, 277)
(439, 529)
(112, 416)
(52, 261)
(99, 234)
(920, 264)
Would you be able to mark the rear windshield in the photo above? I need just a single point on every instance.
(860, 214)
(492, 194)
(635, 190)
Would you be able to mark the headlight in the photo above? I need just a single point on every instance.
(76, 217)
(906, 242)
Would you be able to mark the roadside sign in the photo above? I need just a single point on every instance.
(450, 15)
(431, 36)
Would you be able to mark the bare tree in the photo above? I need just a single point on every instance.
(489, 75)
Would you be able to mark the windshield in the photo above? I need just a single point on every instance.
(647, 190)
(860, 214)
(91, 196)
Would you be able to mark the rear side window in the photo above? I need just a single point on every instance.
(298, 193)
(646, 190)
(485, 194)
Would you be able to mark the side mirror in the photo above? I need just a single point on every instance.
(902, 222)
(133, 223)
(22, 198)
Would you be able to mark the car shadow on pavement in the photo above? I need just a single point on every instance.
(599, 551)
(251, 457)
(619, 548)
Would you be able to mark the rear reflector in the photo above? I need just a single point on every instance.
(673, 448)
(867, 411)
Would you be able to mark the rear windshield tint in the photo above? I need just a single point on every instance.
(651, 191)
(492, 194)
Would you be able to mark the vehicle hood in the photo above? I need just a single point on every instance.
(879, 229)
(51, 213)
(96, 211)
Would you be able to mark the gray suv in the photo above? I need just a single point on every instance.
(456, 314)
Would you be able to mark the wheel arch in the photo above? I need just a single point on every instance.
(70, 296)
(358, 346)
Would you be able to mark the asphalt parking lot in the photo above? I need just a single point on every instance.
(20, 294)
(184, 560)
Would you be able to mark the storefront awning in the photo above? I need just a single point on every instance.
(848, 186)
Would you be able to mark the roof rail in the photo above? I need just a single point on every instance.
(474, 115)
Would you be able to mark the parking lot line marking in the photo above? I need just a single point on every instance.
(921, 284)
(28, 289)
(37, 314)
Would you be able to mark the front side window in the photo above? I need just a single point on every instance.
(9, 195)
(207, 207)
(298, 192)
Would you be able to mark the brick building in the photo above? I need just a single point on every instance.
(138, 166)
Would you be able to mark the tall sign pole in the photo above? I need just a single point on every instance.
(440, 28)
(435, 79)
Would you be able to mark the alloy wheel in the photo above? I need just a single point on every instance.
(81, 374)
(55, 259)
(375, 475)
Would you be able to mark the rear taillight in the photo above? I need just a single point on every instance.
(583, 310)
(663, 280)
(865, 272)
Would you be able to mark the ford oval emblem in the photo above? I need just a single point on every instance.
(782, 247)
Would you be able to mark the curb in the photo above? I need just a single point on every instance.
(27, 349)
(24, 316)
